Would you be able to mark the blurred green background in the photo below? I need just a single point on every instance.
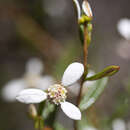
(48, 29)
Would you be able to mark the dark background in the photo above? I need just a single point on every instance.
(48, 29)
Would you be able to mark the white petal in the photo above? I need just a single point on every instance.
(87, 9)
(45, 82)
(73, 73)
(71, 110)
(123, 27)
(12, 88)
(34, 66)
(78, 8)
(88, 84)
(73, 90)
(31, 96)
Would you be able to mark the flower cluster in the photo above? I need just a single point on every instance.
(57, 93)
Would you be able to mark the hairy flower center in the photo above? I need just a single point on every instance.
(57, 93)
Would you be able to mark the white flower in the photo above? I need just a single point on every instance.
(85, 7)
(123, 27)
(31, 78)
(57, 93)
(118, 124)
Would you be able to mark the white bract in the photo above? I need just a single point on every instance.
(31, 79)
(57, 93)
(85, 7)
(118, 124)
(123, 27)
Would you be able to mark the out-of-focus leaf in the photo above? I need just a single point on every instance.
(47, 110)
(93, 93)
(85, 124)
(108, 71)
(58, 126)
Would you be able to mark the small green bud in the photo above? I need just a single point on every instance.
(108, 71)
(84, 19)
(88, 38)
(89, 27)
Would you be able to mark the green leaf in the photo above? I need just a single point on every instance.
(108, 71)
(47, 110)
(93, 93)
(84, 123)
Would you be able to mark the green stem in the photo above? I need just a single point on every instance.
(40, 108)
(51, 119)
(85, 54)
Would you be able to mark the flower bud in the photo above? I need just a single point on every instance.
(87, 8)
(77, 8)
(108, 71)
(32, 111)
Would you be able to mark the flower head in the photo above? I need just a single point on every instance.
(31, 79)
(57, 93)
